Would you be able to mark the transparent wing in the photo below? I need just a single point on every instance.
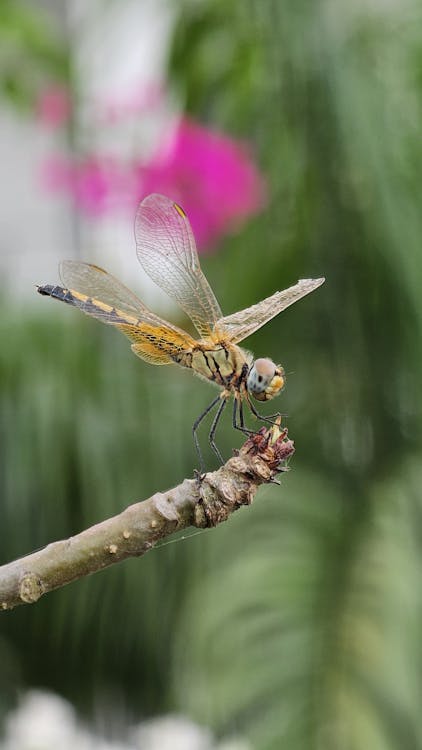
(100, 295)
(166, 250)
(245, 322)
(95, 283)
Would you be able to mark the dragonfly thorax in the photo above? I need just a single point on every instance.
(265, 379)
(226, 365)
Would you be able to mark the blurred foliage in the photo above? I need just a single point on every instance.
(298, 622)
(322, 655)
(81, 427)
(31, 53)
(341, 192)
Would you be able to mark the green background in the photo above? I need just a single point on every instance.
(297, 624)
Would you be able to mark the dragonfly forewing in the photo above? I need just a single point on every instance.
(166, 250)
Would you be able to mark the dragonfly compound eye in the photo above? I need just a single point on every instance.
(265, 379)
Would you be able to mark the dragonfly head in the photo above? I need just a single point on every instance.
(265, 379)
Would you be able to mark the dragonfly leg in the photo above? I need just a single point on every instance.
(241, 425)
(214, 427)
(271, 418)
(195, 427)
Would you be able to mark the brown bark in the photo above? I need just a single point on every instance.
(204, 501)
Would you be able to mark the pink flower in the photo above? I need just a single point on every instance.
(211, 175)
(57, 173)
(98, 186)
(53, 106)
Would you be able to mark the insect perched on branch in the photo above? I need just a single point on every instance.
(167, 252)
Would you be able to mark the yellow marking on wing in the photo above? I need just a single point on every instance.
(149, 353)
(158, 345)
(180, 210)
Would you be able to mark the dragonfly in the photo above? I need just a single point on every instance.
(166, 250)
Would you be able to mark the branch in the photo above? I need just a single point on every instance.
(207, 500)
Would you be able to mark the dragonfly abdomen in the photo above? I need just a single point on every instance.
(64, 295)
(88, 305)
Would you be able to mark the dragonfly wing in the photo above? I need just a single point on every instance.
(100, 295)
(245, 322)
(94, 283)
(159, 344)
(166, 250)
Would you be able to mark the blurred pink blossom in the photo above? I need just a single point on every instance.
(97, 185)
(212, 176)
(53, 106)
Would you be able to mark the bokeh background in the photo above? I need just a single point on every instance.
(291, 134)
